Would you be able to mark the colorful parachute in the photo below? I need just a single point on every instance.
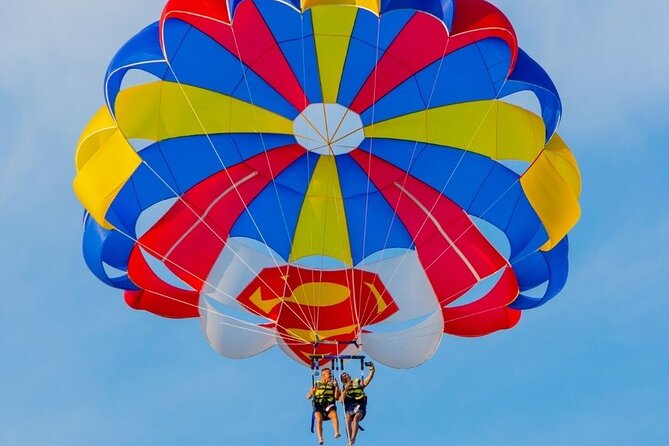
(303, 174)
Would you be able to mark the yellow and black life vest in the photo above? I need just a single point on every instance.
(356, 391)
(324, 393)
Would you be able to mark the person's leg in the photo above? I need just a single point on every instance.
(319, 426)
(348, 419)
(355, 422)
(335, 422)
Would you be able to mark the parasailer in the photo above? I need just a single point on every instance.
(325, 394)
(354, 398)
(329, 177)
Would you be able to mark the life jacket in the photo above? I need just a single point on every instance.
(355, 393)
(324, 393)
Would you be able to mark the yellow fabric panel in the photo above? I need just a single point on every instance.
(314, 294)
(372, 5)
(321, 226)
(97, 131)
(492, 128)
(552, 185)
(162, 110)
(105, 161)
(333, 26)
(310, 337)
(564, 162)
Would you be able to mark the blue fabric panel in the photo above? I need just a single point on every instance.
(442, 9)
(293, 32)
(283, 21)
(391, 24)
(269, 209)
(305, 68)
(473, 182)
(525, 232)
(192, 159)
(497, 197)
(153, 157)
(301, 56)
(253, 89)
(455, 173)
(558, 266)
(232, 6)
(497, 56)
(381, 229)
(298, 175)
(531, 271)
(527, 75)
(461, 77)
(448, 6)
(125, 209)
(361, 57)
(555, 270)
(352, 178)
(100, 245)
(144, 189)
(372, 223)
(297, 4)
(369, 41)
(144, 46)
(252, 144)
(397, 152)
(200, 61)
(404, 99)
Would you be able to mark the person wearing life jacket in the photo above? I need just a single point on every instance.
(325, 394)
(355, 401)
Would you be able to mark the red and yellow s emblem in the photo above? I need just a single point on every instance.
(309, 305)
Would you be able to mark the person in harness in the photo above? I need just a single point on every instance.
(325, 394)
(355, 401)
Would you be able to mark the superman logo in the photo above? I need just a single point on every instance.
(311, 305)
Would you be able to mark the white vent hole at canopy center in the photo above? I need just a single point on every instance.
(328, 129)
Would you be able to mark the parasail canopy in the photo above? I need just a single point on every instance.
(304, 174)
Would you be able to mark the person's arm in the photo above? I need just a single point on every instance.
(311, 393)
(342, 396)
(369, 377)
(337, 393)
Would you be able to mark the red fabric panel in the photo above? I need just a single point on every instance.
(216, 9)
(274, 287)
(197, 246)
(489, 313)
(423, 40)
(157, 296)
(250, 40)
(476, 20)
(449, 275)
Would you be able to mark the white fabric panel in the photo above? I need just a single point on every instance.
(289, 352)
(230, 275)
(407, 348)
(233, 338)
(407, 283)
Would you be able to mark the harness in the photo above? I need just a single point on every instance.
(355, 392)
(325, 393)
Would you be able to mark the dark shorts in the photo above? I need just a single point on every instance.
(325, 409)
(355, 408)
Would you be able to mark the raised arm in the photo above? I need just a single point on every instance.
(337, 393)
(369, 377)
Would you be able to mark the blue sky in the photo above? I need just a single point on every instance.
(590, 368)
